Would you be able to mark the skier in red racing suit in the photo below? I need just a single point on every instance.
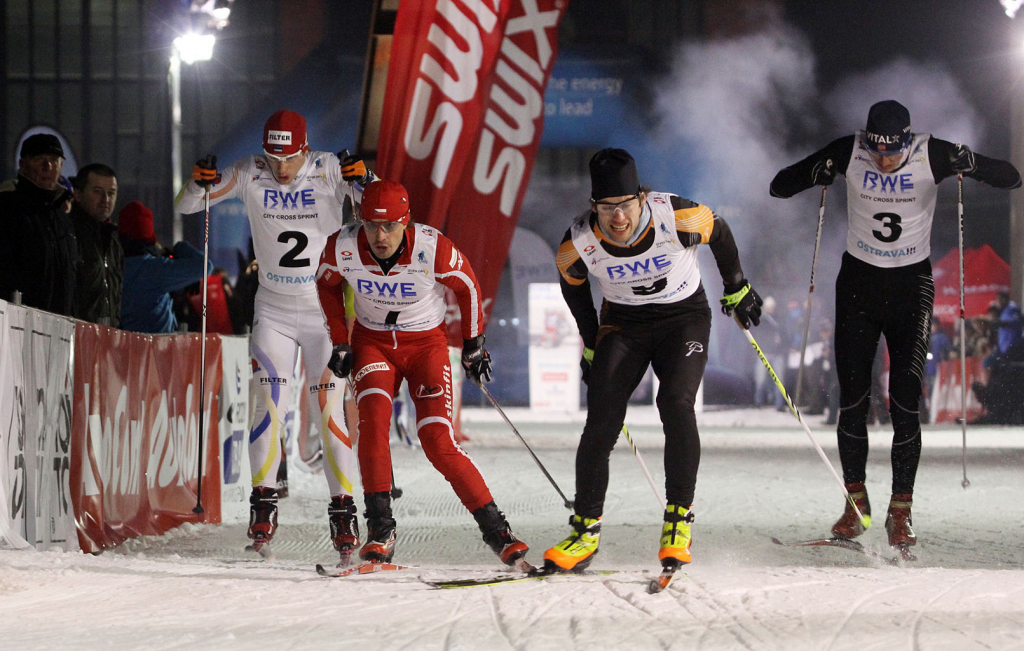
(399, 272)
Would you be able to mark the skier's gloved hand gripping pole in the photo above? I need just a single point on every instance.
(205, 175)
(733, 308)
(476, 361)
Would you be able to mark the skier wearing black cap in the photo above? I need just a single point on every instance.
(885, 285)
(641, 248)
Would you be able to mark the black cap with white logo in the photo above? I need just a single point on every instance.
(888, 129)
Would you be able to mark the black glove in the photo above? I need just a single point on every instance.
(961, 159)
(744, 302)
(204, 172)
(476, 360)
(824, 172)
(353, 169)
(585, 363)
(342, 360)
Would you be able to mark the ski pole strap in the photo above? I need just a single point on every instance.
(588, 354)
(730, 301)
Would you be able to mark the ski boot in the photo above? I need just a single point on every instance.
(675, 536)
(262, 516)
(498, 534)
(577, 551)
(344, 527)
(380, 528)
(849, 526)
(898, 521)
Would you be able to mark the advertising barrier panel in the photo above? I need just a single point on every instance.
(135, 434)
(35, 429)
(234, 427)
(945, 401)
(554, 351)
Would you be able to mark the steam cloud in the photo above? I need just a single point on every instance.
(732, 113)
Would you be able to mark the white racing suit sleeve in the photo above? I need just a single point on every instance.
(192, 198)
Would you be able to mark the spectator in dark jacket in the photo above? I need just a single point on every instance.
(38, 251)
(101, 258)
(150, 274)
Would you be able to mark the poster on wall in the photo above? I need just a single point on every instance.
(555, 350)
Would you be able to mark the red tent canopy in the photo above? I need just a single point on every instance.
(985, 275)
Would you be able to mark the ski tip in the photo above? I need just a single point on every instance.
(904, 553)
(660, 583)
(524, 566)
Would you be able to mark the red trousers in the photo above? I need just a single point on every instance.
(383, 359)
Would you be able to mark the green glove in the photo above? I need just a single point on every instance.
(585, 363)
(744, 302)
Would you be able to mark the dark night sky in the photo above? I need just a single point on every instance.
(973, 39)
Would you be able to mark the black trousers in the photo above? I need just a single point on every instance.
(676, 348)
(898, 303)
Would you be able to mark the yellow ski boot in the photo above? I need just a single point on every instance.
(575, 552)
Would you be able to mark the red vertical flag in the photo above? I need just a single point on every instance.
(485, 208)
(463, 115)
(443, 56)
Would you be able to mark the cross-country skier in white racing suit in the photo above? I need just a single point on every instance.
(294, 198)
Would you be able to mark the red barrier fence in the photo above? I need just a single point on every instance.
(135, 434)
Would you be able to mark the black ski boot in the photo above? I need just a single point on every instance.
(262, 516)
(498, 534)
(380, 528)
(344, 527)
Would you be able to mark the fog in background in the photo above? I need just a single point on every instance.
(724, 119)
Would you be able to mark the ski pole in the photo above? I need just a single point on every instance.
(963, 327)
(566, 500)
(810, 295)
(202, 355)
(864, 519)
(643, 466)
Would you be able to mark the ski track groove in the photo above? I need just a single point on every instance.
(454, 616)
(708, 600)
(853, 610)
(608, 586)
(915, 627)
(492, 606)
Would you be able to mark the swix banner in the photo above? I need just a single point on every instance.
(135, 434)
(463, 115)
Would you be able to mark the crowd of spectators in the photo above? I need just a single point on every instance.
(63, 253)
(996, 338)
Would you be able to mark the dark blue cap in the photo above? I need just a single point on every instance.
(888, 129)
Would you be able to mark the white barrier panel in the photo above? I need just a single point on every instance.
(234, 429)
(11, 481)
(52, 384)
(554, 351)
(35, 416)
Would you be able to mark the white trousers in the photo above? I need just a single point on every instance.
(283, 323)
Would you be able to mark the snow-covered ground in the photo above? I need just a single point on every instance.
(195, 588)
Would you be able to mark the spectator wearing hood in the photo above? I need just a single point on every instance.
(39, 251)
(151, 274)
